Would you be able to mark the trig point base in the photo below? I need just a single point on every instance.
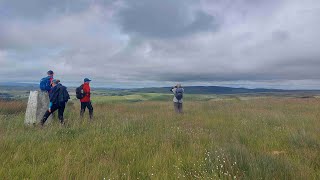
(38, 104)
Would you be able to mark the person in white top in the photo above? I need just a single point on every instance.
(178, 98)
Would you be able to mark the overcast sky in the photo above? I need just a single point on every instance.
(128, 43)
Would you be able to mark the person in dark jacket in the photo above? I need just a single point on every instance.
(86, 101)
(58, 99)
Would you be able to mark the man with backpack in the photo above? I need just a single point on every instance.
(45, 83)
(83, 93)
(59, 96)
(178, 98)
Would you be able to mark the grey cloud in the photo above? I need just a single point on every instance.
(159, 42)
(280, 35)
(68, 31)
(164, 19)
(40, 8)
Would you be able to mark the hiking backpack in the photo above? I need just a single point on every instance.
(79, 92)
(45, 84)
(179, 93)
(65, 95)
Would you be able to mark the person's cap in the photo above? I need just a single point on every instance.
(86, 80)
(50, 72)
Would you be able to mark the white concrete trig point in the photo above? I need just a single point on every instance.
(38, 104)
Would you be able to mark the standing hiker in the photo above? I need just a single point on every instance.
(83, 93)
(178, 98)
(45, 83)
(59, 96)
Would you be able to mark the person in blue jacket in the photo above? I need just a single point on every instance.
(45, 83)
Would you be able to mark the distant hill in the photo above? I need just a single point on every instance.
(188, 89)
(219, 90)
(19, 86)
(5, 96)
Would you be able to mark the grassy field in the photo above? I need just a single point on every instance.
(139, 137)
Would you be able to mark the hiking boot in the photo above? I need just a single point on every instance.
(81, 113)
(43, 120)
(62, 123)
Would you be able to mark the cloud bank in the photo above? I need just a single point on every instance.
(250, 43)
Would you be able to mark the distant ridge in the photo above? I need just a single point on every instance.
(166, 90)
(217, 90)
(19, 86)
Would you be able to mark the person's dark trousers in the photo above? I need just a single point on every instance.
(85, 105)
(48, 93)
(55, 107)
(178, 107)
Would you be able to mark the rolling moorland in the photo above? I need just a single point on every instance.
(21, 91)
(136, 135)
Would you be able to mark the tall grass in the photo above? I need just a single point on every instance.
(253, 139)
(11, 107)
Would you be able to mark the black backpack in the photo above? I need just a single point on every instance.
(64, 95)
(59, 95)
(79, 92)
(179, 93)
